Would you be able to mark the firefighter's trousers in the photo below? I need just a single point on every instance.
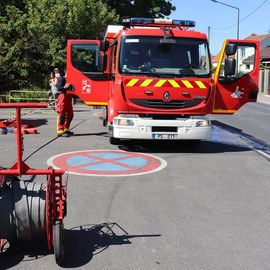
(65, 113)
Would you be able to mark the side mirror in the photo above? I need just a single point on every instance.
(104, 45)
(102, 61)
(230, 65)
(231, 49)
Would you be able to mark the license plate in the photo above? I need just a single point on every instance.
(164, 136)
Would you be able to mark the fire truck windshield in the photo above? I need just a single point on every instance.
(156, 56)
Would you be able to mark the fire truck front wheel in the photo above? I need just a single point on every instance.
(114, 141)
(194, 142)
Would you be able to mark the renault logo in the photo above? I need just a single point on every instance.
(166, 96)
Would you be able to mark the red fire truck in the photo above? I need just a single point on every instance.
(155, 79)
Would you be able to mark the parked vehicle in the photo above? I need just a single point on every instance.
(154, 78)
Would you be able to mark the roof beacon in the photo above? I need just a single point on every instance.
(154, 22)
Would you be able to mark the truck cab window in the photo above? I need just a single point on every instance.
(245, 62)
(85, 57)
(112, 63)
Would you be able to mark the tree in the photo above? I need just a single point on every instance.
(141, 8)
(34, 35)
(34, 32)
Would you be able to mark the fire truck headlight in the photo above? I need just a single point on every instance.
(123, 122)
(202, 123)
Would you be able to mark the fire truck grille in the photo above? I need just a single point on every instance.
(160, 104)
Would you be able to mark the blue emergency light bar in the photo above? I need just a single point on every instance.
(152, 21)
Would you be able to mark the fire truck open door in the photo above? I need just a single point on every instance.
(236, 76)
(83, 71)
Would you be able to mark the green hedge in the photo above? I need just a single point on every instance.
(3, 98)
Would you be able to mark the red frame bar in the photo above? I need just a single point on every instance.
(24, 105)
(20, 168)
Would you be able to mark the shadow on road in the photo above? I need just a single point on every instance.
(224, 138)
(240, 133)
(15, 254)
(104, 134)
(34, 122)
(81, 244)
(84, 242)
(181, 147)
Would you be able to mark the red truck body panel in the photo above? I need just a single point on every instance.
(145, 94)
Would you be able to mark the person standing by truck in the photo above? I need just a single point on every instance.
(64, 108)
(53, 93)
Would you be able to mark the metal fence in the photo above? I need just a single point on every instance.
(264, 82)
(27, 96)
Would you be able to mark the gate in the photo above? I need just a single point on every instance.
(264, 82)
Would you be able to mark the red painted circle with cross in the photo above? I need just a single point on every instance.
(107, 163)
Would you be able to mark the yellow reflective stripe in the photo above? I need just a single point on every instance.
(96, 103)
(216, 75)
(132, 82)
(200, 84)
(174, 83)
(187, 84)
(224, 111)
(146, 82)
(160, 83)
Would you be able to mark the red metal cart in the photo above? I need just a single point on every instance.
(28, 210)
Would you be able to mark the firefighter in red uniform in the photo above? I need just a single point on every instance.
(64, 109)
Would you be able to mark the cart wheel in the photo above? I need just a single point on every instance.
(58, 242)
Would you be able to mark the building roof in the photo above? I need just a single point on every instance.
(264, 39)
(215, 58)
(265, 53)
(249, 60)
(254, 36)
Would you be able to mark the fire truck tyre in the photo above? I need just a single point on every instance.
(29, 210)
(194, 142)
(114, 141)
(58, 242)
(105, 116)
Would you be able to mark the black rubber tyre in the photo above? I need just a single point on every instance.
(114, 141)
(58, 242)
(194, 142)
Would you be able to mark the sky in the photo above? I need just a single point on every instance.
(222, 20)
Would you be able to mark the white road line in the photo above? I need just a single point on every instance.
(262, 153)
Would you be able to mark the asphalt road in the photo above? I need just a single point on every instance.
(207, 209)
(252, 120)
